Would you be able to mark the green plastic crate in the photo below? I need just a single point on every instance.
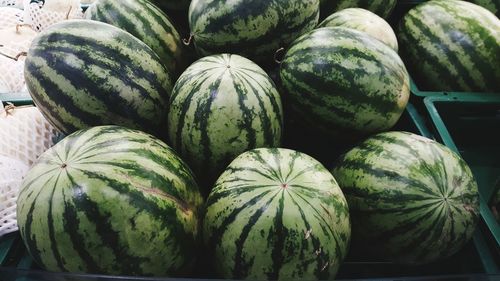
(16, 264)
(469, 123)
(16, 98)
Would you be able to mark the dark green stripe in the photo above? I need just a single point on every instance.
(218, 233)
(71, 226)
(202, 117)
(50, 223)
(257, 155)
(278, 236)
(124, 260)
(248, 114)
(452, 57)
(26, 232)
(242, 264)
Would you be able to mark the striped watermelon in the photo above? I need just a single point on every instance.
(411, 199)
(110, 200)
(253, 28)
(451, 45)
(146, 22)
(84, 73)
(276, 214)
(172, 4)
(344, 82)
(365, 21)
(221, 106)
(492, 5)
(382, 8)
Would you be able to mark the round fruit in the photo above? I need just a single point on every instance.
(254, 28)
(110, 200)
(152, 27)
(221, 106)
(452, 46)
(382, 8)
(276, 214)
(492, 5)
(84, 73)
(412, 200)
(365, 21)
(345, 82)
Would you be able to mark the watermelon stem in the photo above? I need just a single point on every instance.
(9, 108)
(280, 53)
(20, 25)
(69, 11)
(16, 58)
(188, 41)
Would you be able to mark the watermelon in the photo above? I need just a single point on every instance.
(84, 73)
(221, 106)
(146, 22)
(344, 82)
(172, 4)
(382, 8)
(365, 21)
(110, 200)
(276, 214)
(492, 5)
(254, 29)
(452, 46)
(411, 199)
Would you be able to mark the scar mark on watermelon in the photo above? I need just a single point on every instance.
(318, 251)
(470, 208)
(326, 210)
(183, 205)
(325, 266)
(308, 233)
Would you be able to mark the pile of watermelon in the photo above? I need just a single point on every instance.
(188, 127)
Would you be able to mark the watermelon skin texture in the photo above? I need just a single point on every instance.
(146, 22)
(110, 200)
(382, 8)
(221, 106)
(255, 29)
(451, 46)
(365, 21)
(276, 214)
(411, 199)
(344, 82)
(83, 73)
(492, 5)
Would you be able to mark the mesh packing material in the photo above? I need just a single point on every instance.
(25, 134)
(12, 172)
(9, 17)
(12, 75)
(12, 3)
(13, 42)
(42, 14)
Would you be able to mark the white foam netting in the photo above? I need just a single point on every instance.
(12, 76)
(9, 17)
(42, 14)
(14, 42)
(12, 172)
(11, 3)
(25, 134)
